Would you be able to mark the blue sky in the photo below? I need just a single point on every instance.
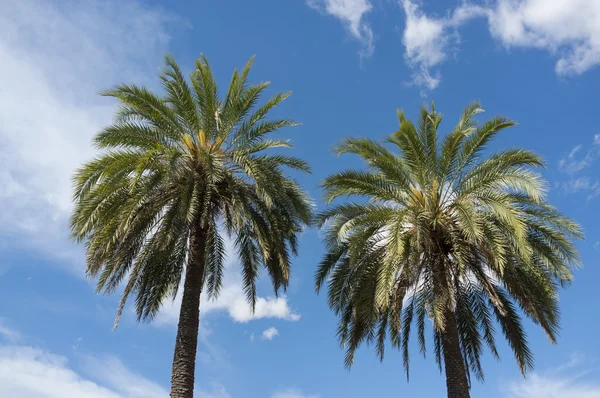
(350, 65)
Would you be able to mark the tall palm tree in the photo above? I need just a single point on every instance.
(447, 234)
(178, 171)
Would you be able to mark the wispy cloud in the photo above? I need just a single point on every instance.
(570, 380)
(269, 334)
(8, 333)
(578, 159)
(111, 373)
(352, 14)
(586, 185)
(293, 393)
(28, 372)
(217, 391)
(210, 354)
(50, 108)
(577, 162)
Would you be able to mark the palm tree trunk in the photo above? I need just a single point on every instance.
(184, 359)
(456, 375)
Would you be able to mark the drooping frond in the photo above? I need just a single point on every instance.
(185, 160)
(439, 232)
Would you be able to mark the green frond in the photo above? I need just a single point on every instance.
(477, 141)
(406, 326)
(453, 141)
(138, 103)
(380, 158)
(248, 253)
(179, 95)
(513, 330)
(214, 258)
(362, 183)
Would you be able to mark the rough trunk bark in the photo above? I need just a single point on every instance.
(456, 375)
(184, 358)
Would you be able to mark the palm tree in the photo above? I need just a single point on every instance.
(177, 172)
(448, 234)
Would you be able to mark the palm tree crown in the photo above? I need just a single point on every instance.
(445, 233)
(176, 172)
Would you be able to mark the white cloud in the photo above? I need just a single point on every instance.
(427, 40)
(568, 29)
(233, 301)
(58, 56)
(293, 393)
(567, 381)
(269, 334)
(351, 13)
(423, 37)
(28, 372)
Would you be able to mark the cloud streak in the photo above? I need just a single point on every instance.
(575, 161)
(566, 381)
(8, 333)
(28, 372)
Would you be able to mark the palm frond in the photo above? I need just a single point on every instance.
(186, 165)
(437, 231)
